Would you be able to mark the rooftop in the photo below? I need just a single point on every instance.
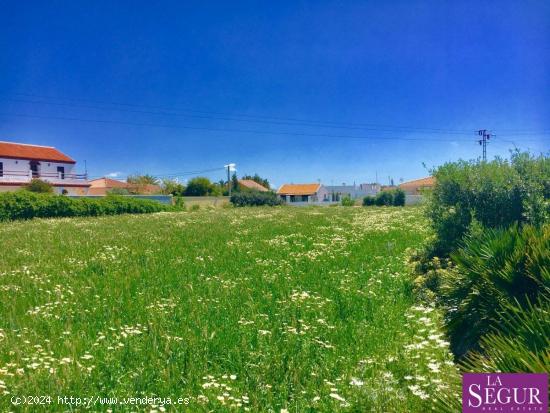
(14, 150)
(298, 189)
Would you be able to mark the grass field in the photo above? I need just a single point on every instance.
(304, 309)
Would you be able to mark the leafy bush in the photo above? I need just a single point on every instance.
(347, 201)
(520, 343)
(39, 186)
(118, 191)
(27, 205)
(394, 197)
(399, 197)
(368, 200)
(255, 198)
(495, 194)
(493, 269)
(199, 186)
(384, 198)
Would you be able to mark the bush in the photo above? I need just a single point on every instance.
(496, 194)
(255, 198)
(493, 269)
(399, 197)
(27, 205)
(368, 200)
(199, 186)
(347, 201)
(39, 186)
(395, 197)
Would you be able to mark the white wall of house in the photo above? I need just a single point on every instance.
(18, 171)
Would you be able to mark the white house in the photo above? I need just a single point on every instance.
(300, 194)
(337, 192)
(20, 163)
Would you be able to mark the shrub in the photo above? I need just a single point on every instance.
(118, 191)
(199, 186)
(39, 186)
(27, 205)
(368, 200)
(399, 197)
(347, 201)
(255, 198)
(493, 269)
(384, 198)
(495, 194)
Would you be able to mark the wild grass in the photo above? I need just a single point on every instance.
(250, 309)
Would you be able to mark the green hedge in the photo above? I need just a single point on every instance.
(27, 205)
(255, 198)
(395, 197)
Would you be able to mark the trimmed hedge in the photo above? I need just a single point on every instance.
(27, 205)
(255, 198)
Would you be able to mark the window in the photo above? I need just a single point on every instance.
(61, 172)
(1, 169)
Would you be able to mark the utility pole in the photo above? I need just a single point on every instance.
(485, 136)
(230, 167)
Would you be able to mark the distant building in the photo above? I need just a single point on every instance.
(252, 185)
(337, 192)
(102, 186)
(418, 185)
(303, 193)
(20, 163)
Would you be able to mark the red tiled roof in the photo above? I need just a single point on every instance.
(32, 152)
(108, 183)
(419, 183)
(102, 186)
(298, 189)
(250, 184)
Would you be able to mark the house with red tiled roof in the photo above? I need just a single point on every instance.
(303, 193)
(252, 185)
(417, 186)
(21, 162)
(102, 186)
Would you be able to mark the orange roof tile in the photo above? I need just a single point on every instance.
(33, 152)
(250, 184)
(419, 183)
(298, 189)
(108, 183)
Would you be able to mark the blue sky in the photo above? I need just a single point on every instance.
(166, 87)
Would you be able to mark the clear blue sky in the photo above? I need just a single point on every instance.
(428, 71)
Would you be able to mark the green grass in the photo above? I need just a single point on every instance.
(305, 309)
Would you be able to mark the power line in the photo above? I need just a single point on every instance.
(227, 130)
(234, 117)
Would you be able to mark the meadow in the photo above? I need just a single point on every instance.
(250, 309)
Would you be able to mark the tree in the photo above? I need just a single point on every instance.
(199, 186)
(172, 187)
(258, 179)
(235, 183)
(40, 186)
(139, 183)
(142, 180)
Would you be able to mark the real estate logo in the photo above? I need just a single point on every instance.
(504, 392)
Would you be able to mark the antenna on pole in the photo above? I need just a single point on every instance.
(485, 136)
